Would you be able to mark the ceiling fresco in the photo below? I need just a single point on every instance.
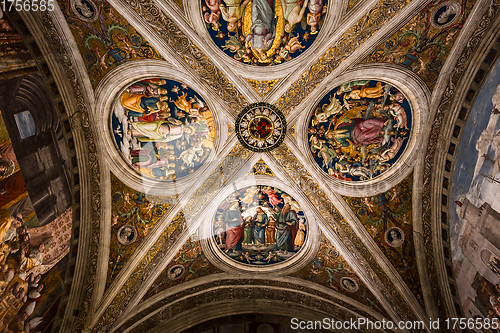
(134, 214)
(264, 32)
(359, 130)
(180, 218)
(104, 38)
(190, 263)
(163, 128)
(424, 43)
(388, 218)
(330, 269)
(260, 225)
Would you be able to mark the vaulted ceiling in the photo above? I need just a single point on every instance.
(90, 56)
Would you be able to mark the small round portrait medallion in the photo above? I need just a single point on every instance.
(446, 14)
(261, 127)
(348, 284)
(86, 10)
(394, 237)
(127, 234)
(175, 272)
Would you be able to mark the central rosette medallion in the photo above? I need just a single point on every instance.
(261, 127)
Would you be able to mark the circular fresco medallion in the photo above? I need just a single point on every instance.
(260, 225)
(127, 234)
(349, 284)
(359, 130)
(394, 237)
(261, 127)
(175, 272)
(446, 14)
(86, 10)
(263, 32)
(163, 128)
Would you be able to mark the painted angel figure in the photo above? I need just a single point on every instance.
(293, 13)
(232, 11)
(271, 194)
(213, 16)
(249, 194)
(315, 10)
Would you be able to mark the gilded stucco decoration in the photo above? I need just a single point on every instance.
(261, 168)
(262, 87)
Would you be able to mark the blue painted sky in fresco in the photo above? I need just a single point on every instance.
(477, 190)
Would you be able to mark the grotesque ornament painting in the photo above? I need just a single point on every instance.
(163, 128)
(263, 32)
(359, 130)
(260, 225)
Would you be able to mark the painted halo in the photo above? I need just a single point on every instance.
(232, 27)
(162, 128)
(359, 130)
(394, 236)
(259, 225)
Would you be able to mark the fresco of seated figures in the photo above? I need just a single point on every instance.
(260, 225)
(163, 128)
(263, 32)
(359, 130)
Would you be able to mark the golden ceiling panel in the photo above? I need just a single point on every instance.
(262, 87)
(126, 292)
(337, 222)
(188, 264)
(261, 168)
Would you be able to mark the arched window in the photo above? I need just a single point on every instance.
(25, 124)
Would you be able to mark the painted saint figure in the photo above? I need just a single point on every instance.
(314, 15)
(248, 231)
(260, 220)
(271, 231)
(286, 222)
(234, 227)
(263, 30)
(293, 12)
(160, 130)
(232, 12)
